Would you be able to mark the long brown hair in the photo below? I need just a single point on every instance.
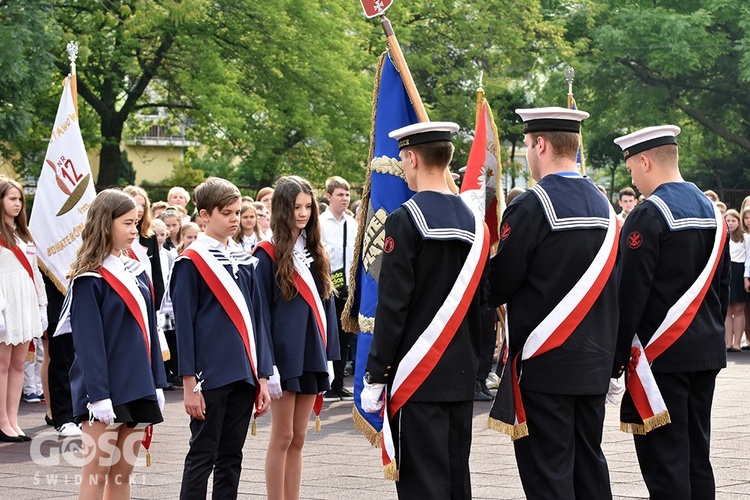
(97, 233)
(282, 223)
(737, 234)
(144, 225)
(6, 230)
(256, 229)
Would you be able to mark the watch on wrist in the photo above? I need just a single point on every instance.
(368, 378)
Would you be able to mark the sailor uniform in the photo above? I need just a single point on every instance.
(550, 240)
(665, 245)
(428, 241)
(211, 347)
(299, 352)
(112, 358)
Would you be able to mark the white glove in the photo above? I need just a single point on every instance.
(43, 315)
(160, 320)
(331, 375)
(371, 397)
(160, 399)
(615, 387)
(274, 384)
(102, 411)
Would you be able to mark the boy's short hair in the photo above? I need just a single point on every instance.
(434, 154)
(627, 191)
(215, 192)
(336, 182)
(564, 144)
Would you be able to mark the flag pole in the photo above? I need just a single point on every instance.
(72, 49)
(411, 88)
(569, 77)
(480, 98)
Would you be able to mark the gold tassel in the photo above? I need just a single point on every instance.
(390, 471)
(514, 431)
(648, 424)
(148, 458)
(317, 423)
(364, 428)
(254, 427)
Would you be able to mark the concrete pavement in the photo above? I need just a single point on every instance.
(341, 464)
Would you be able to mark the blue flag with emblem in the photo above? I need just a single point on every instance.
(385, 190)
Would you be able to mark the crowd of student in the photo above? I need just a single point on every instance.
(234, 303)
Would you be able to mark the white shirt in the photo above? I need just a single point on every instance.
(739, 251)
(332, 232)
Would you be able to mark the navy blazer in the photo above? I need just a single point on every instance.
(111, 359)
(297, 344)
(207, 340)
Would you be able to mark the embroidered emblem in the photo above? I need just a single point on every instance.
(504, 231)
(634, 240)
(373, 242)
(389, 245)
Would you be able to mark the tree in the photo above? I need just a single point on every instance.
(671, 61)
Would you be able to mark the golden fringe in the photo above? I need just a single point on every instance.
(254, 427)
(387, 165)
(648, 424)
(364, 428)
(349, 322)
(514, 431)
(148, 458)
(317, 423)
(390, 471)
(60, 287)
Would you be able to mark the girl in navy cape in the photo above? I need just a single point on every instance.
(303, 346)
(117, 377)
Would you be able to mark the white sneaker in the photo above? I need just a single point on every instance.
(69, 429)
(492, 381)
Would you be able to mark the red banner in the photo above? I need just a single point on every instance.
(374, 8)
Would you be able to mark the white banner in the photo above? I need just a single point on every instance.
(63, 194)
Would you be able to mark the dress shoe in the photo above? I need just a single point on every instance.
(10, 439)
(479, 394)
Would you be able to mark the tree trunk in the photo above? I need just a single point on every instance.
(109, 158)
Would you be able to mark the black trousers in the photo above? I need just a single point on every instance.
(561, 458)
(674, 458)
(432, 450)
(345, 340)
(216, 442)
(487, 345)
(61, 355)
(170, 365)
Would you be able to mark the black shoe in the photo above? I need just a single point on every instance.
(331, 396)
(24, 437)
(49, 421)
(345, 395)
(169, 387)
(10, 439)
(479, 394)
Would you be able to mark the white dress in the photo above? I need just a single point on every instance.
(20, 297)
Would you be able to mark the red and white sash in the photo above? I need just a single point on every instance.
(21, 256)
(305, 284)
(556, 328)
(138, 252)
(641, 384)
(227, 293)
(424, 355)
(125, 284)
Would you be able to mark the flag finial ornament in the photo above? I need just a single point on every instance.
(72, 49)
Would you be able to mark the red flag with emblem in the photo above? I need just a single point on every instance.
(481, 183)
(374, 8)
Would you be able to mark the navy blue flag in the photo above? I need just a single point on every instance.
(385, 190)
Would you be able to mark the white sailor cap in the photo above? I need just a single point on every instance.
(424, 132)
(647, 138)
(552, 119)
